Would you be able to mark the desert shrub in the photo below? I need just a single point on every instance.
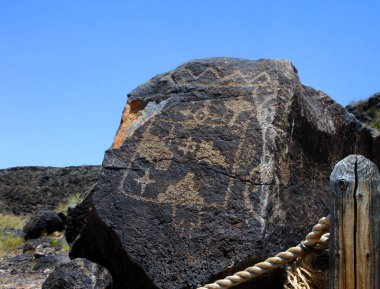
(8, 241)
(375, 113)
(72, 200)
(8, 221)
(56, 242)
(59, 243)
(372, 112)
(376, 116)
(356, 103)
(66, 247)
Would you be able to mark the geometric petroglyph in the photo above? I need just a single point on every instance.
(235, 79)
(204, 150)
(184, 192)
(211, 155)
(154, 148)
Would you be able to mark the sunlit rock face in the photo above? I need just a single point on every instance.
(216, 165)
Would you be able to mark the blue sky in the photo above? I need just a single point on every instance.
(67, 66)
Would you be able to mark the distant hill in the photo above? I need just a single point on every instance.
(27, 190)
(368, 112)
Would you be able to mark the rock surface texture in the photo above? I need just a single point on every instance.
(28, 190)
(78, 274)
(368, 112)
(47, 222)
(28, 267)
(216, 165)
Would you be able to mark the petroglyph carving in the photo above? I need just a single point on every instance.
(185, 193)
(144, 181)
(187, 146)
(153, 148)
(243, 114)
(212, 77)
(211, 155)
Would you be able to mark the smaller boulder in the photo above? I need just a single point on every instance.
(78, 273)
(14, 232)
(33, 245)
(21, 258)
(48, 222)
(50, 261)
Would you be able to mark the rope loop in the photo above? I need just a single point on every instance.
(317, 238)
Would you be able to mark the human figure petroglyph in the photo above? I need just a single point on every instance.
(144, 181)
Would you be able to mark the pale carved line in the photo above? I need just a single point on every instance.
(155, 201)
(248, 79)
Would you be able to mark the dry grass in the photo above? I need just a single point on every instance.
(72, 200)
(8, 221)
(59, 242)
(9, 242)
(66, 247)
(303, 274)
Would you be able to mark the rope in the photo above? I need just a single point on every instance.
(305, 272)
(271, 263)
(323, 242)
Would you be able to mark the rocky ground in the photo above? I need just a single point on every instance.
(31, 263)
(37, 257)
(25, 193)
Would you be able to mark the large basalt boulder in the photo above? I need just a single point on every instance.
(216, 165)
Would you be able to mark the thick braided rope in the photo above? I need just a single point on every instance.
(271, 263)
(323, 242)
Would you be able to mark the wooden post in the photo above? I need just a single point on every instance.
(355, 232)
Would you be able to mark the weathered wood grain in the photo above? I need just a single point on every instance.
(355, 258)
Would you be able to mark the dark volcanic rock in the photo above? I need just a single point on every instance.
(216, 165)
(28, 190)
(47, 221)
(50, 261)
(32, 245)
(76, 218)
(14, 232)
(368, 112)
(78, 274)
